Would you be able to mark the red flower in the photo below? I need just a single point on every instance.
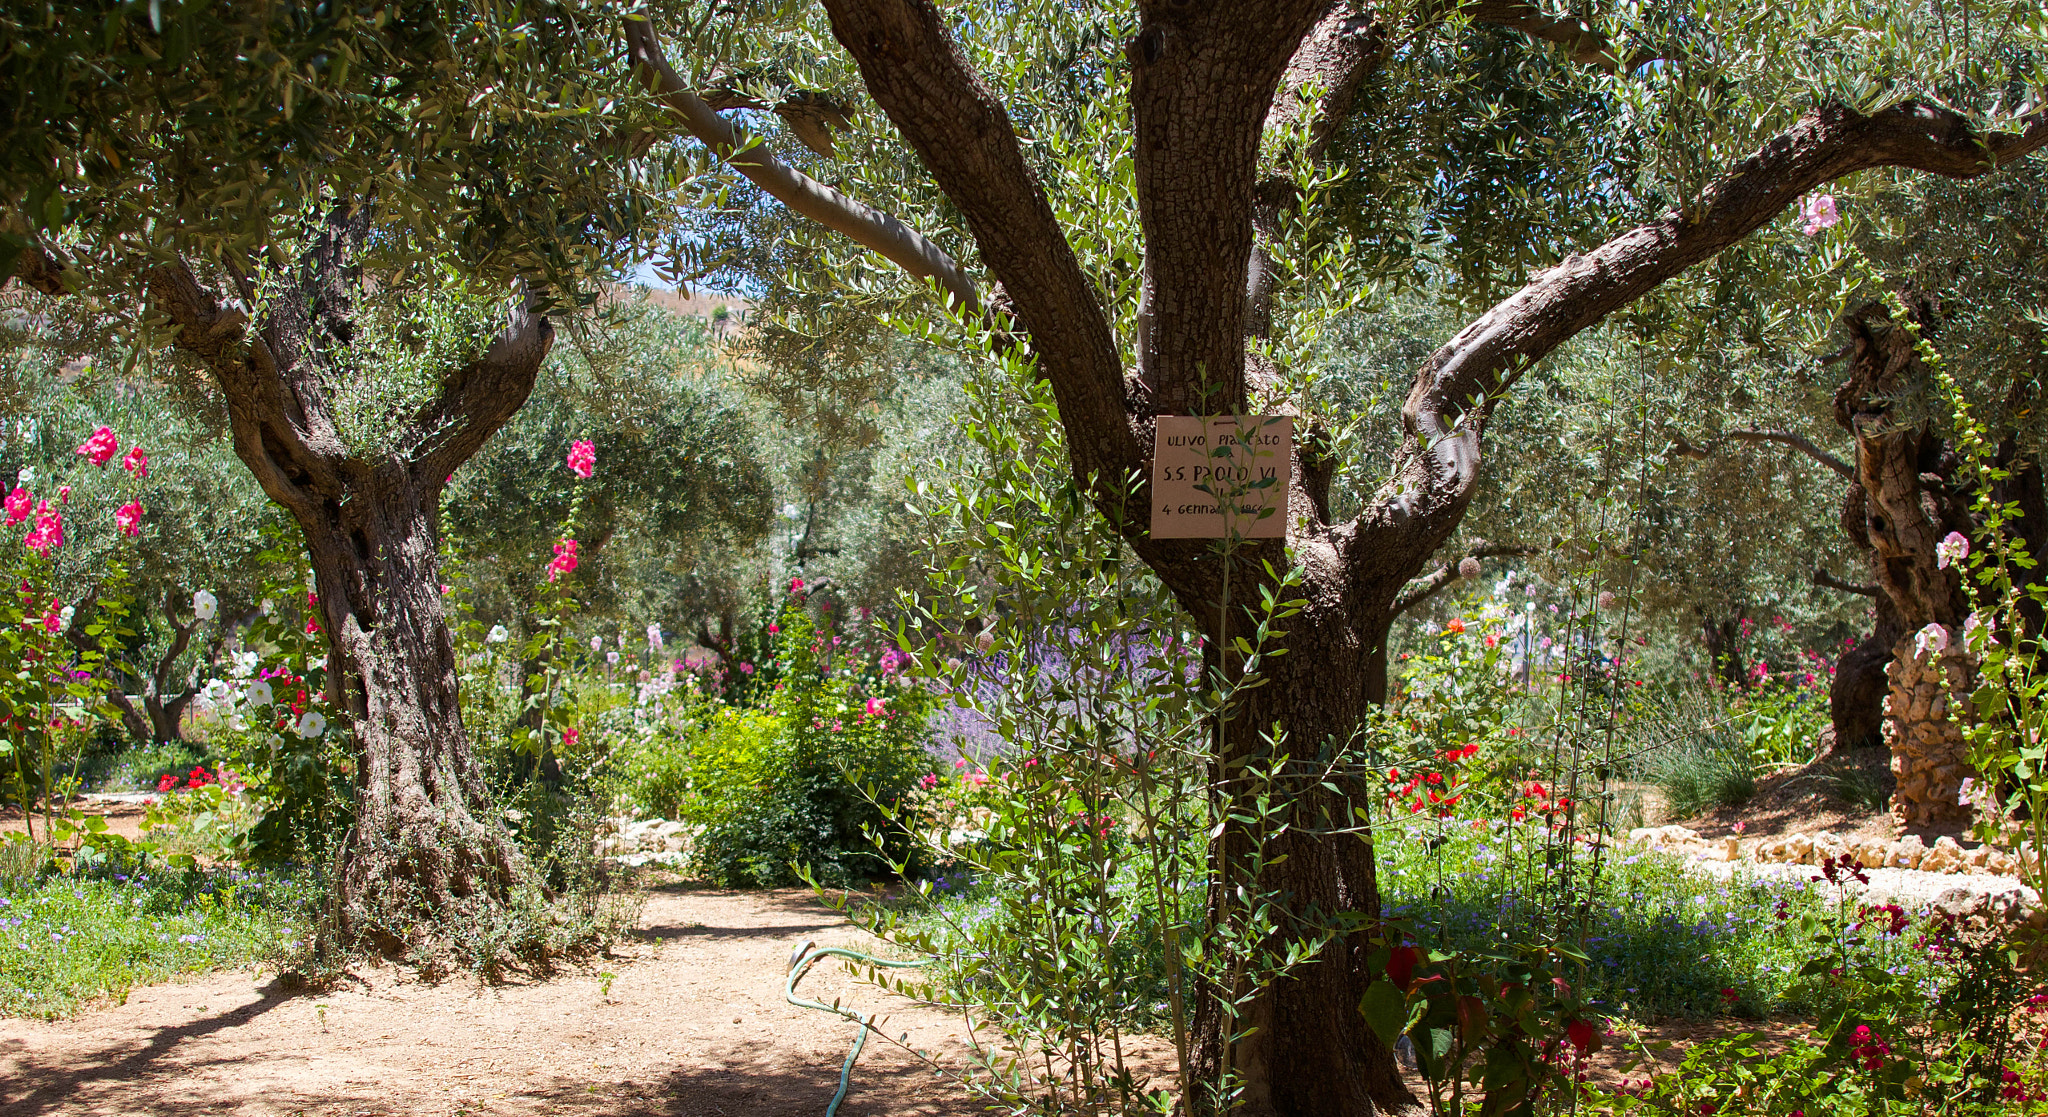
(1455, 626)
(136, 462)
(166, 782)
(1582, 1034)
(128, 518)
(582, 458)
(1401, 967)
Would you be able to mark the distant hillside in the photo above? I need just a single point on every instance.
(702, 305)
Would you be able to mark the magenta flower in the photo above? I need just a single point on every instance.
(136, 462)
(128, 518)
(1932, 639)
(100, 448)
(582, 458)
(18, 504)
(564, 561)
(48, 532)
(875, 706)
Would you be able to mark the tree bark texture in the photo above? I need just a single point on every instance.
(1901, 505)
(423, 854)
(1204, 79)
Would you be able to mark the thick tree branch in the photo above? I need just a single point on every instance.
(1822, 577)
(1453, 391)
(963, 136)
(483, 396)
(1320, 81)
(1447, 575)
(863, 224)
(810, 115)
(38, 268)
(1785, 438)
(1581, 41)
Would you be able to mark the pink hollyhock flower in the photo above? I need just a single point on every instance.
(136, 462)
(564, 561)
(128, 518)
(53, 616)
(570, 737)
(1953, 548)
(100, 448)
(746, 668)
(1817, 211)
(875, 706)
(1932, 639)
(63, 495)
(48, 532)
(18, 504)
(796, 585)
(583, 458)
(773, 629)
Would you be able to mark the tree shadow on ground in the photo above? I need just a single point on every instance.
(760, 1083)
(766, 1089)
(33, 1087)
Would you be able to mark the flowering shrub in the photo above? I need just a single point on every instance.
(849, 745)
(60, 679)
(275, 729)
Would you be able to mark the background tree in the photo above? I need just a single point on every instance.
(352, 225)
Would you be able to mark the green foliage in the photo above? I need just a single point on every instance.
(1930, 1019)
(71, 940)
(718, 759)
(503, 136)
(1703, 775)
(809, 792)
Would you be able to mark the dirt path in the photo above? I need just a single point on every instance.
(695, 1024)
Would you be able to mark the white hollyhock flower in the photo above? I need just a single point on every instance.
(497, 635)
(205, 606)
(311, 724)
(654, 636)
(259, 694)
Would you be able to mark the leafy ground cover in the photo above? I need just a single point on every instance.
(70, 940)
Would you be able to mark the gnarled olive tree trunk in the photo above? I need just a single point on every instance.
(1908, 503)
(423, 852)
(1911, 491)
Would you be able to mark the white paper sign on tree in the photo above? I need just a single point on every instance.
(1213, 478)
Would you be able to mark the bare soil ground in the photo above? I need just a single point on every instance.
(694, 1024)
(1809, 799)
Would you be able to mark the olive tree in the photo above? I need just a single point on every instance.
(352, 224)
(1145, 247)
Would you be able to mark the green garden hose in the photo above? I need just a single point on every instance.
(799, 964)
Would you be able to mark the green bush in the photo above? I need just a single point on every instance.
(806, 783)
(138, 767)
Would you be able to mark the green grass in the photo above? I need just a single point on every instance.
(1664, 939)
(69, 941)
